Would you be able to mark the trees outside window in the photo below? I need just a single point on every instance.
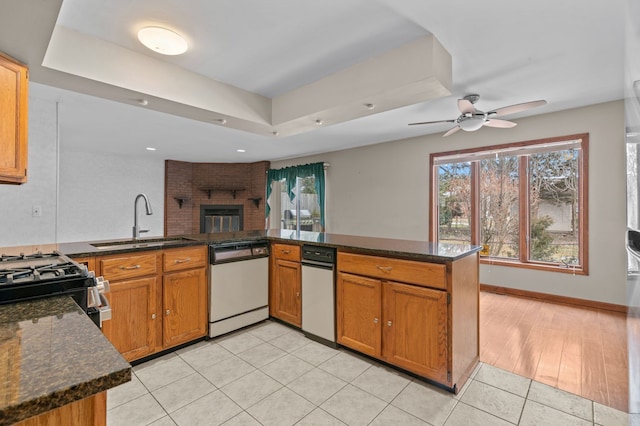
(524, 203)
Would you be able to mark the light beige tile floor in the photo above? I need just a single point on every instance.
(270, 374)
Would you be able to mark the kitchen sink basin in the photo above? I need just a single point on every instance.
(134, 244)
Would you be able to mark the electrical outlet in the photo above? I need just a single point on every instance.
(36, 211)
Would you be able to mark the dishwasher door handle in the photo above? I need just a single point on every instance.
(316, 264)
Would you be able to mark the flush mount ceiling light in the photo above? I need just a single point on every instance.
(162, 40)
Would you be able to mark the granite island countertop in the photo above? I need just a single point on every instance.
(52, 354)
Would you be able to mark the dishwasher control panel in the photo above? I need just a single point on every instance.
(319, 253)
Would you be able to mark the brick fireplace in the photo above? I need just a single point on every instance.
(237, 188)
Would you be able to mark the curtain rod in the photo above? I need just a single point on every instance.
(325, 165)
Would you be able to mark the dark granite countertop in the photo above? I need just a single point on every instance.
(418, 250)
(52, 354)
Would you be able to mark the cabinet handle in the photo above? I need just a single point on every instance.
(298, 294)
(384, 268)
(127, 268)
(389, 323)
(286, 251)
(153, 316)
(167, 312)
(188, 259)
(375, 320)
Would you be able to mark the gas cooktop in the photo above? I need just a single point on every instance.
(38, 267)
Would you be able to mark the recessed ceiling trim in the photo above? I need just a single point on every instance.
(423, 66)
(415, 72)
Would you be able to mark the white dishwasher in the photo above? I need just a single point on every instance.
(318, 294)
(238, 285)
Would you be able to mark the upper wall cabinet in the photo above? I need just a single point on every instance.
(13, 120)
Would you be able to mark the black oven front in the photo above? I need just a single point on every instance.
(37, 276)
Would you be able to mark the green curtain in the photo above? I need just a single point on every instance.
(290, 174)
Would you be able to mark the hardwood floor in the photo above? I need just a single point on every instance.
(579, 350)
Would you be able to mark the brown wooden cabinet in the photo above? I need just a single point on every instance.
(359, 312)
(414, 329)
(89, 262)
(286, 284)
(13, 120)
(88, 411)
(427, 324)
(134, 311)
(152, 311)
(134, 325)
(184, 296)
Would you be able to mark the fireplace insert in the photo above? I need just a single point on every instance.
(221, 218)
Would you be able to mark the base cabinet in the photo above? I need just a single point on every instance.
(416, 324)
(133, 278)
(88, 411)
(184, 299)
(158, 299)
(132, 327)
(286, 284)
(359, 309)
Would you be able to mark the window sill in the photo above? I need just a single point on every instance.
(578, 270)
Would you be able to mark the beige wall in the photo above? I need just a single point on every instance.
(382, 190)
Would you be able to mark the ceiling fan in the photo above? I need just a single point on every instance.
(471, 119)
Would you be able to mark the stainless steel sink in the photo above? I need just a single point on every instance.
(135, 244)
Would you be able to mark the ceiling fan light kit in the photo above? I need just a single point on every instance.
(471, 124)
(472, 119)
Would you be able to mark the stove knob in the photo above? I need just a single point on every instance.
(102, 284)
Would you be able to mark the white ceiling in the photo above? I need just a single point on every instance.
(568, 52)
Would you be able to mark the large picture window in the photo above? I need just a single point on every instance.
(524, 203)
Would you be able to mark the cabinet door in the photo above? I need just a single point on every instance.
(358, 310)
(287, 288)
(132, 327)
(184, 300)
(415, 329)
(13, 121)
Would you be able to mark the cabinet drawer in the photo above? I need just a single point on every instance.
(123, 267)
(286, 252)
(407, 271)
(184, 258)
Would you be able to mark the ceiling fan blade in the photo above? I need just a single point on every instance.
(451, 131)
(465, 106)
(503, 124)
(512, 109)
(433, 122)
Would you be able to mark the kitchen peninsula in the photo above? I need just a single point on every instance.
(423, 297)
(55, 365)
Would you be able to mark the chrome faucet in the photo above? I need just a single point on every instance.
(136, 228)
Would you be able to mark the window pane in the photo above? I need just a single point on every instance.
(454, 202)
(287, 208)
(499, 207)
(554, 207)
(309, 205)
(284, 213)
